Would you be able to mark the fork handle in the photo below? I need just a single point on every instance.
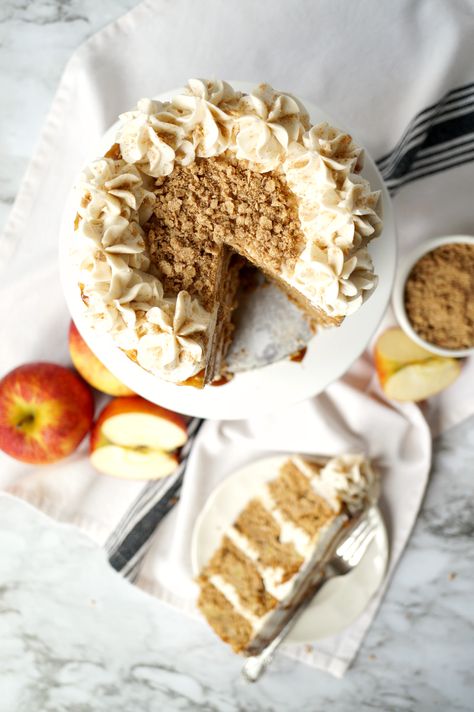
(255, 665)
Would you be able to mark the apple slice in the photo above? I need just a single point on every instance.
(133, 463)
(393, 350)
(418, 381)
(134, 422)
(395, 345)
(134, 439)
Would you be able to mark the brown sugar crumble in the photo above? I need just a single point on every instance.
(215, 202)
(439, 296)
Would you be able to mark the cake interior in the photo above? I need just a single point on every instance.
(255, 564)
(231, 627)
(210, 211)
(258, 524)
(297, 501)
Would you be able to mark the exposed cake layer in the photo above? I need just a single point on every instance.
(297, 502)
(234, 567)
(255, 565)
(221, 615)
(263, 532)
(224, 330)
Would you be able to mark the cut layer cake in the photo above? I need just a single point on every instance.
(196, 186)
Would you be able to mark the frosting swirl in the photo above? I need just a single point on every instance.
(201, 111)
(347, 478)
(335, 283)
(153, 139)
(172, 343)
(335, 147)
(351, 478)
(269, 122)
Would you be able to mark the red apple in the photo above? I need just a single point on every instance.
(134, 439)
(91, 369)
(45, 412)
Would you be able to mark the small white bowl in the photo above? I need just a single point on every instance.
(398, 296)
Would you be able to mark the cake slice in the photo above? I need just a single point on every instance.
(292, 519)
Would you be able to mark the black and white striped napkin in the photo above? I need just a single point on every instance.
(129, 541)
(438, 138)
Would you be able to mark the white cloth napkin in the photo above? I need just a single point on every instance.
(372, 66)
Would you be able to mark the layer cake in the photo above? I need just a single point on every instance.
(196, 186)
(255, 565)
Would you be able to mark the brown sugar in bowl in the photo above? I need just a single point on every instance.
(433, 296)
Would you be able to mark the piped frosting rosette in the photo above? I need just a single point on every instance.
(347, 478)
(267, 130)
(338, 217)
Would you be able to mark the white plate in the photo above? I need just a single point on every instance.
(340, 601)
(330, 353)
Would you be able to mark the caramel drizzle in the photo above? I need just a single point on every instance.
(298, 356)
(196, 381)
(114, 152)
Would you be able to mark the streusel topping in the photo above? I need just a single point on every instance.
(218, 201)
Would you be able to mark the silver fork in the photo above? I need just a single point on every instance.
(347, 555)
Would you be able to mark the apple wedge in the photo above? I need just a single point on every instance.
(140, 463)
(418, 381)
(393, 350)
(408, 372)
(135, 439)
(135, 422)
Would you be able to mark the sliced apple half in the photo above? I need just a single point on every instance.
(135, 439)
(134, 422)
(418, 381)
(393, 350)
(133, 463)
(408, 372)
(395, 345)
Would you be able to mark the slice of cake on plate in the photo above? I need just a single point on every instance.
(293, 518)
(192, 189)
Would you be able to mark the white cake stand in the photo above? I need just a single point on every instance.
(329, 353)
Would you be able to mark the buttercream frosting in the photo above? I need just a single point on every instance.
(348, 479)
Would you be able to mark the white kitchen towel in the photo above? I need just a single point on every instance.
(400, 75)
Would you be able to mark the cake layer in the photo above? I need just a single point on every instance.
(223, 332)
(231, 627)
(231, 564)
(297, 502)
(257, 525)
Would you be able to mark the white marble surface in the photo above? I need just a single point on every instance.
(75, 637)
